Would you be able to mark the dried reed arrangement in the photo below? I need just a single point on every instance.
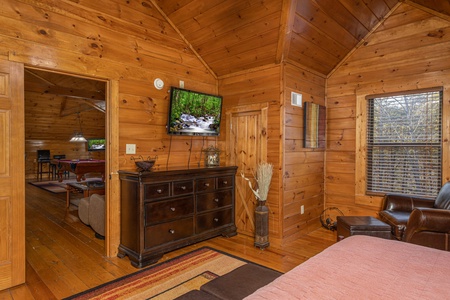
(263, 178)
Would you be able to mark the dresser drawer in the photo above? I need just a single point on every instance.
(157, 235)
(224, 182)
(206, 184)
(155, 191)
(161, 211)
(213, 200)
(212, 220)
(183, 187)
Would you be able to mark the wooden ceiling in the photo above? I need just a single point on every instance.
(78, 94)
(56, 105)
(232, 36)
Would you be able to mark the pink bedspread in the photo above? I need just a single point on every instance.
(363, 267)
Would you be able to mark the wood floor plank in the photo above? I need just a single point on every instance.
(64, 257)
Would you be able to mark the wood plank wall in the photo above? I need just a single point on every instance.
(128, 41)
(142, 121)
(42, 117)
(409, 51)
(261, 85)
(303, 172)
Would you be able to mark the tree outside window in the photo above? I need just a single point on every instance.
(404, 149)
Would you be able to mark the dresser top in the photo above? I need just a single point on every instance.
(157, 172)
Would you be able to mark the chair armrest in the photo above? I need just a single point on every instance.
(427, 219)
(396, 202)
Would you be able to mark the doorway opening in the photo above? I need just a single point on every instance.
(57, 107)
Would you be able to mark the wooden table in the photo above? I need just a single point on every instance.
(79, 167)
(87, 188)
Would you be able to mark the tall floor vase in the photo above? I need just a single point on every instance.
(261, 225)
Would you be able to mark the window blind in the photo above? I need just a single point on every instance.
(404, 146)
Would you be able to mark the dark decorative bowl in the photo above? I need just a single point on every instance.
(144, 165)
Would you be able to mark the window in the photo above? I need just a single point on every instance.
(404, 146)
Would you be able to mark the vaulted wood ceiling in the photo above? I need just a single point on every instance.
(77, 94)
(232, 36)
(229, 36)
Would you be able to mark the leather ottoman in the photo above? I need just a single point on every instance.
(361, 225)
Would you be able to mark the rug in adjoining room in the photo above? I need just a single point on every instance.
(57, 187)
(169, 279)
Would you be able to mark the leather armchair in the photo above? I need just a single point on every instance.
(397, 209)
(429, 227)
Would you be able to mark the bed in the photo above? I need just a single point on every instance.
(364, 267)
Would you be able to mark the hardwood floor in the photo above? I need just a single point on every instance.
(64, 257)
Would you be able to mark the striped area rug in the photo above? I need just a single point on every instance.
(58, 187)
(167, 280)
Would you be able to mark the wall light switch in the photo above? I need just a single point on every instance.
(181, 84)
(130, 149)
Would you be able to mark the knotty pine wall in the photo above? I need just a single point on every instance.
(132, 44)
(298, 172)
(303, 170)
(129, 42)
(125, 42)
(409, 51)
(46, 130)
(261, 85)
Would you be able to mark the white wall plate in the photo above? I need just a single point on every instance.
(159, 84)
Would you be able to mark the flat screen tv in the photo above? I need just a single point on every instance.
(96, 144)
(194, 113)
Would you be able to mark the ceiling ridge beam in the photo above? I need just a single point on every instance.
(39, 77)
(75, 93)
(183, 38)
(94, 105)
(75, 110)
(364, 39)
(287, 22)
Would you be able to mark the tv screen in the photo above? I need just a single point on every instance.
(194, 113)
(96, 144)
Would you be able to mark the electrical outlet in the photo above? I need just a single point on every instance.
(130, 149)
(302, 209)
(181, 84)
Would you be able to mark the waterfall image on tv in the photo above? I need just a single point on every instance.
(194, 113)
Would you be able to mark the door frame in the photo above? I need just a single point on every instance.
(112, 191)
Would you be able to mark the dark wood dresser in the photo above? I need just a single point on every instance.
(165, 210)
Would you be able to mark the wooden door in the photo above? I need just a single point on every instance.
(246, 147)
(12, 177)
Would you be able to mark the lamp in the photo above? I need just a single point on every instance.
(78, 136)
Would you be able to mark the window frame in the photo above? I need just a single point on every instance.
(362, 196)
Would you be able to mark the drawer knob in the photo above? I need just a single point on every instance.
(183, 188)
(159, 191)
(171, 231)
(216, 219)
(206, 184)
(172, 208)
(225, 182)
(216, 200)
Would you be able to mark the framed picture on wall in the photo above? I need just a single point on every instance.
(314, 125)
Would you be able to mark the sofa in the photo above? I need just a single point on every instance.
(91, 211)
